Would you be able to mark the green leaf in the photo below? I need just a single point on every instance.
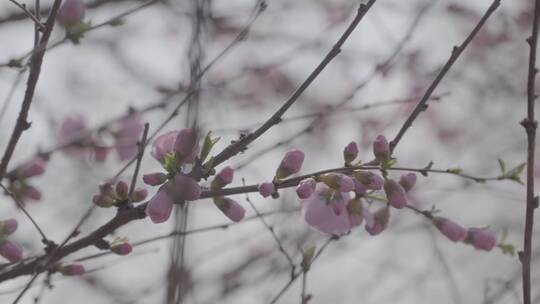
(208, 167)
(515, 173)
(502, 165)
(507, 249)
(208, 144)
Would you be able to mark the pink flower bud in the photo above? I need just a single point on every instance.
(481, 239)
(7, 227)
(351, 152)
(325, 212)
(159, 207)
(407, 181)
(338, 181)
(106, 188)
(185, 145)
(305, 188)
(103, 200)
(369, 179)
(164, 144)
(154, 179)
(450, 229)
(10, 251)
(32, 192)
(266, 189)
(122, 189)
(290, 164)
(124, 248)
(381, 148)
(355, 210)
(380, 221)
(71, 12)
(230, 208)
(72, 270)
(359, 188)
(36, 166)
(182, 188)
(395, 194)
(139, 195)
(223, 178)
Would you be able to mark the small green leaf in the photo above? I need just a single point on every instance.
(507, 249)
(515, 173)
(208, 167)
(502, 165)
(454, 170)
(208, 144)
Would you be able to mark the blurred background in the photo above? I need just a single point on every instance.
(152, 55)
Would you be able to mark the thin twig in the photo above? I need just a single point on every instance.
(530, 124)
(38, 23)
(142, 146)
(240, 145)
(45, 240)
(456, 52)
(35, 69)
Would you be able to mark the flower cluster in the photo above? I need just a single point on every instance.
(326, 199)
(81, 143)
(18, 179)
(115, 196)
(11, 251)
(175, 150)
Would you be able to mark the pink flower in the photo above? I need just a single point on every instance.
(124, 248)
(379, 222)
(36, 166)
(290, 164)
(350, 152)
(159, 207)
(338, 181)
(305, 188)
(481, 239)
(7, 227)
(72, 270)
(395, 194)
(10, 251)
(71, 12)
(164, 144)
(266, 189)
(450, 229)
(78, 141)
(407, 181)
(381, 148)
(230, 208)
(185, 145)
(127, 133)
(359, 188)
(139, 194)
(223, 178)
(325, 212)
(154, 179)
(369, 179)
(182, 188)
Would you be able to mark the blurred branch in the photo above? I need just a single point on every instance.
(456, 52)
(530, 124)
(239, 145)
